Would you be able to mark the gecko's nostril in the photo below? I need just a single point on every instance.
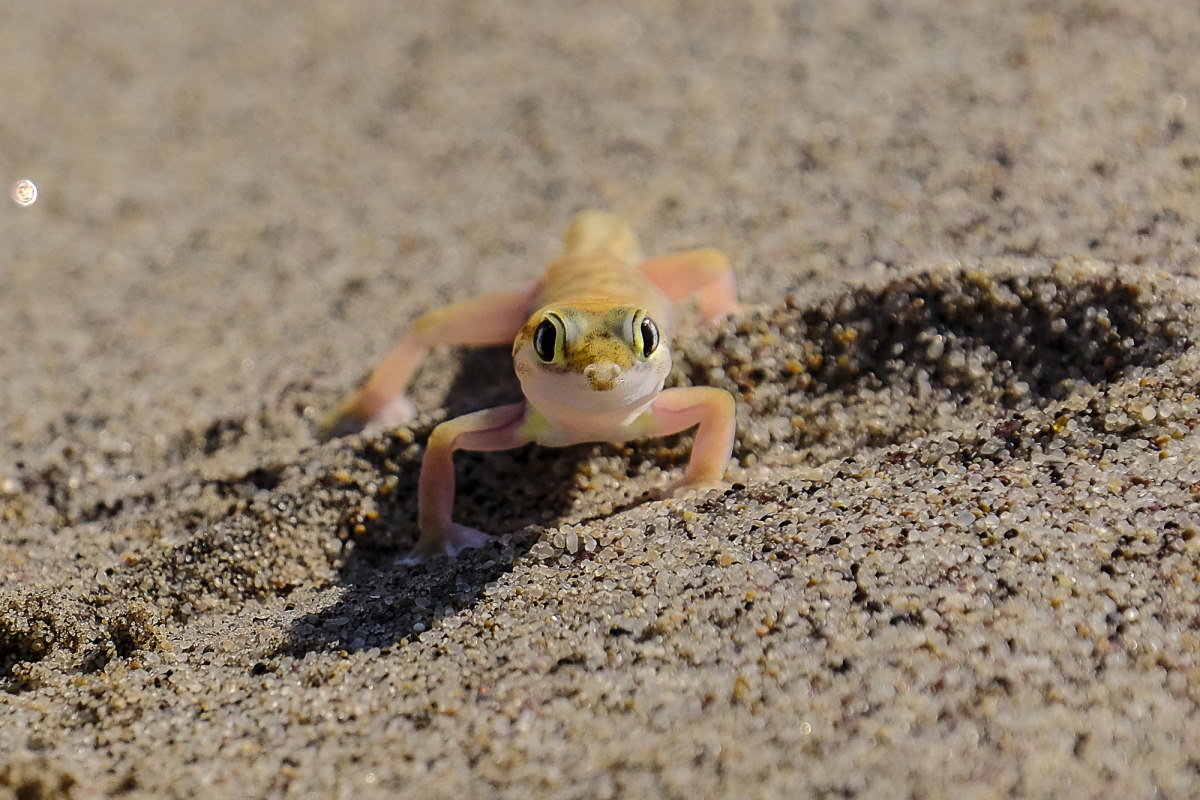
(602, 374)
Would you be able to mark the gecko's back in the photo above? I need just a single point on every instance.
(597, 270)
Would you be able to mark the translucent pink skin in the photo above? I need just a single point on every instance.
(599, 393)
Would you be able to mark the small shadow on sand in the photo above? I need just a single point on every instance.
(510, 494)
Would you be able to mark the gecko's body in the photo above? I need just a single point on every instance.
(590, 349)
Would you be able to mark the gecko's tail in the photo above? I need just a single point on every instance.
(595, 232)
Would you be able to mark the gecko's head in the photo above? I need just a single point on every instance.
(591, 359)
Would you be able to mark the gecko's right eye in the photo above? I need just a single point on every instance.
(545, 340)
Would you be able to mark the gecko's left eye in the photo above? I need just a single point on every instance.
(649, 336)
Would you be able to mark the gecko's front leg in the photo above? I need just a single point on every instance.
(713, 411)
(500, 428)
(488, 320)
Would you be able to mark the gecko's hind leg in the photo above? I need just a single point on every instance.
(703, 274)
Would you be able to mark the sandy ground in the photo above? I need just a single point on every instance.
(958, 556)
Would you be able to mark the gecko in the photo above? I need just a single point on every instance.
(590, 345)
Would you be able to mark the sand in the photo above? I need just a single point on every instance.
(958, 555)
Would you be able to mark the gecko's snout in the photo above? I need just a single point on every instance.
(602, 375)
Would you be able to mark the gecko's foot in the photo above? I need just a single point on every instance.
(398, 411)
(452, 540)
(352, 416)
(735, 310)
(683, 487)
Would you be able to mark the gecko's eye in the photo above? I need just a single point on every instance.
(546, 339)
(649, 336)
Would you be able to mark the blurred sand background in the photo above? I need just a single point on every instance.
(959, 554)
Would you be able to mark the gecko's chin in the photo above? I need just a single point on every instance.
(575, 392)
